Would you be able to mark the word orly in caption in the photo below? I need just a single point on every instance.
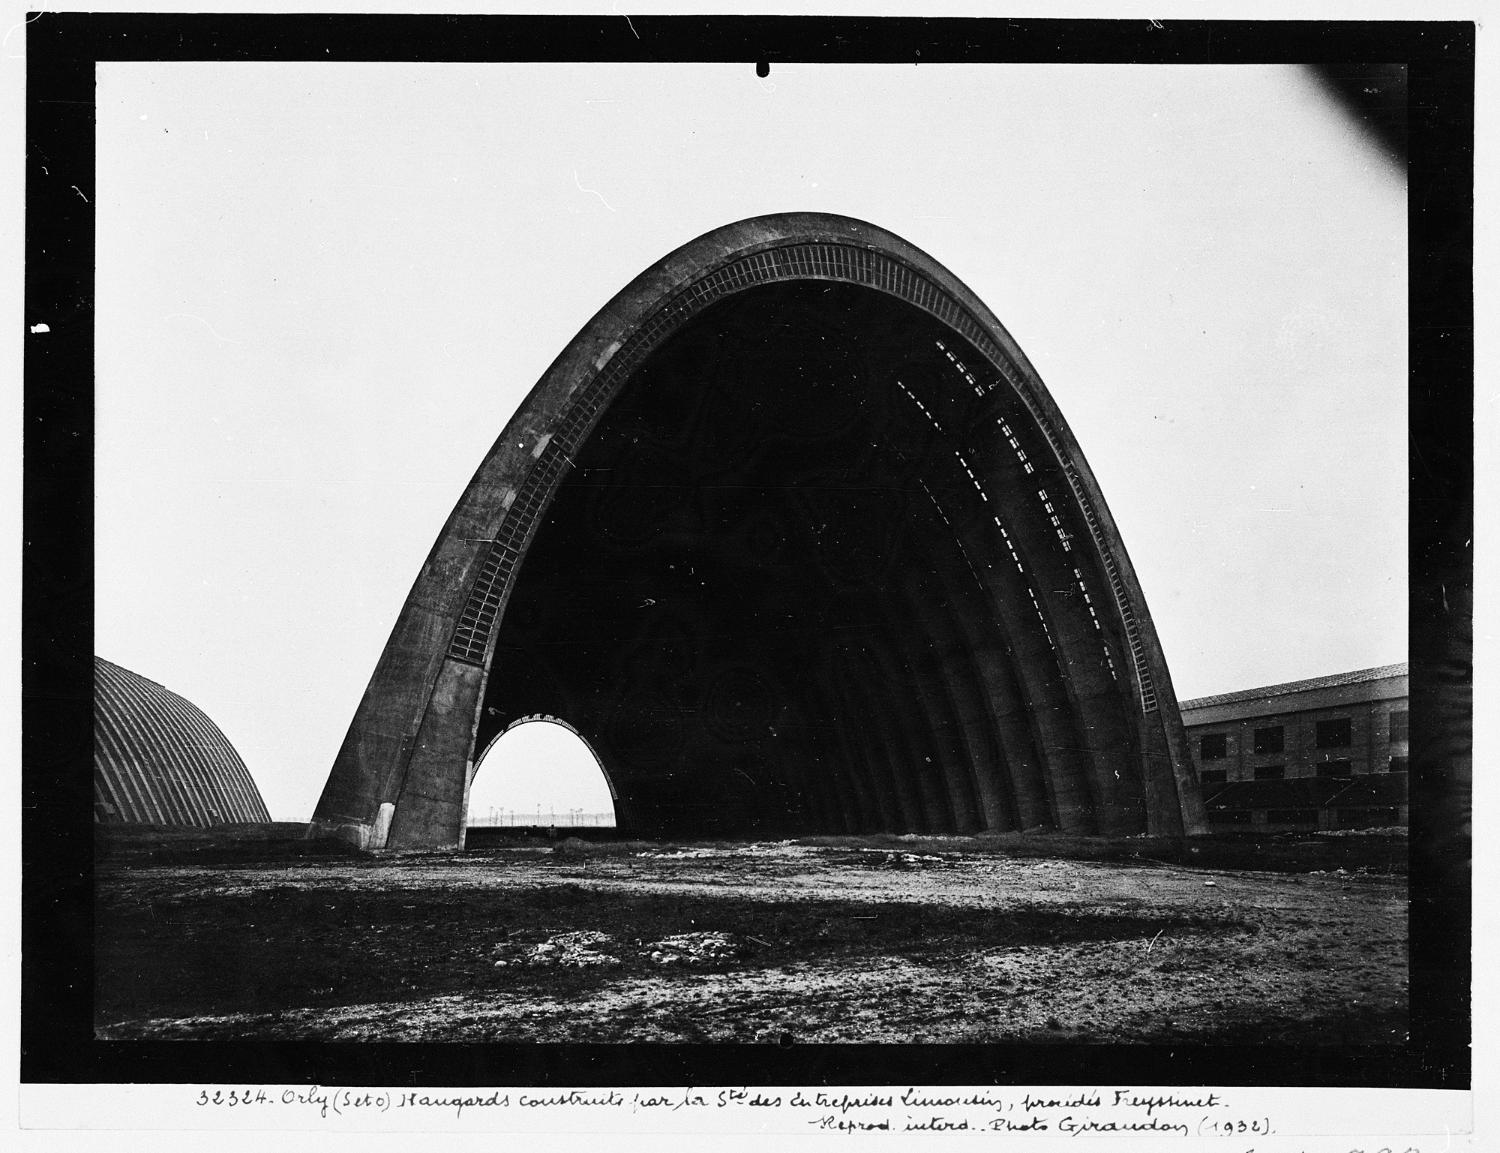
(340, 1101)
(324, 1100)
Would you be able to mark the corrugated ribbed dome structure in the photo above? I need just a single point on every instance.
(159, 760)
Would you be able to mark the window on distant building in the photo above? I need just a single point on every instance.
(1400, 722)
(1336, 769)
(1398, 765)
(1334, 734)
(1214, 776)
(1270, 740)
(1213, 747)
(1269, 772)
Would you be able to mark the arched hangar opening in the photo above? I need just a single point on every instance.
(539, 771)
(794, 535)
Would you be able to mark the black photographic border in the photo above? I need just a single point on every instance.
(57, 1042)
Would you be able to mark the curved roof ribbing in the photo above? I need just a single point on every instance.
(159, 760)
(793, 533)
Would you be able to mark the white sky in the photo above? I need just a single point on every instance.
(324, 288)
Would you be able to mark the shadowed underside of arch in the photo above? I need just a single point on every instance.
(795, 538)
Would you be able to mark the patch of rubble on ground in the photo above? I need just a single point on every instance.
(693, 949)
(753, 849)
(780, 849)
(580, 950)
(1383, 831)
(901, 860)
(591, 949)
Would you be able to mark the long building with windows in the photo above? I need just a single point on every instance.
(159, 760)
(1326, 753)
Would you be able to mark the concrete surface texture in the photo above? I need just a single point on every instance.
(793, 535)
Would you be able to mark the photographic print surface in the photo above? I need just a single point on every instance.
(972, 616)
(325, 288)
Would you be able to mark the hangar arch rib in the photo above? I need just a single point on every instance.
(794, 533)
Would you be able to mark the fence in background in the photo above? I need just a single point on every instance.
(531, 818)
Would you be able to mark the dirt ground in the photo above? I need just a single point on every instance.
(896, 940)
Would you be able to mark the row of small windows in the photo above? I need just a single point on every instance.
(917, 400)
(979, 488)
(1329, 770)
(962, 368)
(1334, 734)
(1010, 438)
(1063, 536)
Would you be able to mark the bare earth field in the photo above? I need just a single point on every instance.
(823, 940)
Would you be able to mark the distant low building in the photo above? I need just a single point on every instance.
(1326, 753)
(159, 760)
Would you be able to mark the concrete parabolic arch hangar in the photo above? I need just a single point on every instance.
(794, 537)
